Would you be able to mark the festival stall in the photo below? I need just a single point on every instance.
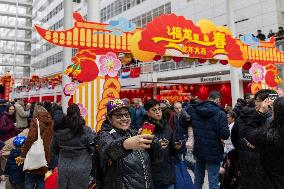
(95, 67)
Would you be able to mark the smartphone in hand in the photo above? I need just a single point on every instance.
(148, 128)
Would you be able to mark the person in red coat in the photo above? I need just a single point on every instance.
(7, 124)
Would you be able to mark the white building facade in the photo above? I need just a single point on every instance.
(15, 37)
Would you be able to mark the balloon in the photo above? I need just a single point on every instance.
(143, 56)
(206, 26)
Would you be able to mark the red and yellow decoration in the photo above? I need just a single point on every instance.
(167, 37)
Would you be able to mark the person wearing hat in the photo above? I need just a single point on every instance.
(123, 158)
(12, 169)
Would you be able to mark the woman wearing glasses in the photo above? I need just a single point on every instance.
(123, 158)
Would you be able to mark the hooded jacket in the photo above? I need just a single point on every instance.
(45, 125)
(7, 127)
(125, 169)
(210, 126)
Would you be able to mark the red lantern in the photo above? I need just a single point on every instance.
(191, 88)
(168, 87)
(201, 61)
(177, 59)
(161, 87)
(174, 87)
(185, 88)
(247, 66)
(223, 62)
(157, 57)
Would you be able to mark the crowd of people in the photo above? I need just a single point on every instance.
(278, 35)
(239, 148)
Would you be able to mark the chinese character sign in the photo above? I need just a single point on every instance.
(180, 37)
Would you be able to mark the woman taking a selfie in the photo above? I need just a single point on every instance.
(269, 141)
(123, 159)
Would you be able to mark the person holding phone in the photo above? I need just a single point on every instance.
(163, 169)
(123, 158)
(270, 142)
(252, 172)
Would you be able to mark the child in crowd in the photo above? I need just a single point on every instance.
(14, 171)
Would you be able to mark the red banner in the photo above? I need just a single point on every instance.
(173, 35)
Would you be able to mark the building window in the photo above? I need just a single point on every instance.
(52, 13)
(142, 20)
(117, 7)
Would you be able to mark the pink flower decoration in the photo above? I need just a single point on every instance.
(109, 64)
(83, 111)
(280, 92)
(257, 72)
(70, 89)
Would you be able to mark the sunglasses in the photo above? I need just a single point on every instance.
(120, 115)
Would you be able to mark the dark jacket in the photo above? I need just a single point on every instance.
(210, 126)
(57, 116)
(122, 168)
(163, 170)
(46, 126)
(252, 172)
(7, 127)
(15, 172)
(137, 119)
(270, 143)
(75, 162)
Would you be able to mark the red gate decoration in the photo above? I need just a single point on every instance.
(169, 36)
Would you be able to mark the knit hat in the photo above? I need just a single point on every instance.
(19, 140)
(116, 104)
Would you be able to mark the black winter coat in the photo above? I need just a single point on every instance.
(252, 173)
(209, 123)
(15, 172)
(163, 169)
(125, 169)
(270, 143)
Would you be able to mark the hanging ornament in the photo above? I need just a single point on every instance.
(247, 66)
(191, 88)
(223, 62)
(201, 61)
(168, 87)
(157, 57)
(177, 59)
(186, 88)
(213, 61)
(167, 58)
(174, 87)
